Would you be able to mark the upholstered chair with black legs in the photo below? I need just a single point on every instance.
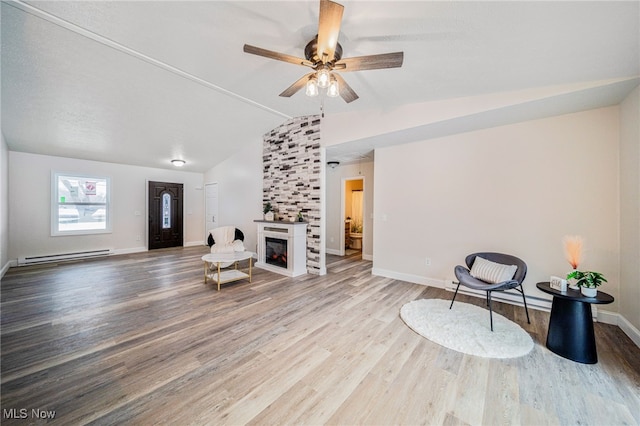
(492, 272)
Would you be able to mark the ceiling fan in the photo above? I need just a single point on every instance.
(324, 55)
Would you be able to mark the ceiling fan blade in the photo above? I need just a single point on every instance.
(346, 92)
(293, 89)
(371, 62)
(276, 55)
(329, 29)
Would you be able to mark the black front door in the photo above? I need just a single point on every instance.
(165, 215)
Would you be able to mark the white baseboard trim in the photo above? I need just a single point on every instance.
(629, 329)
(130, 250)
(194, 243)
(367, 257)
(607, 317)
(416, 279)
(6, 267)
(333, 251)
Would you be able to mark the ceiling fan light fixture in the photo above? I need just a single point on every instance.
(312, 87)
(323, 54)
(333, 91)
(324, 77)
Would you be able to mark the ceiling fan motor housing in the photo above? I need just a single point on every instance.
(311, 52)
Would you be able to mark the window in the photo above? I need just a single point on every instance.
(166, 211)
(80, 204)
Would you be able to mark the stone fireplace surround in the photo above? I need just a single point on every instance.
(291, 178)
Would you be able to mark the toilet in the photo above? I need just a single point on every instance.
(356, 240)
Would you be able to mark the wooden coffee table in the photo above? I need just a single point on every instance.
(213, 267)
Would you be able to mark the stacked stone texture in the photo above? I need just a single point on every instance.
(291, 166)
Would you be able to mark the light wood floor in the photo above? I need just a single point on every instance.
(140, 339)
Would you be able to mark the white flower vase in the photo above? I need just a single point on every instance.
(268, 216)
(589, 292)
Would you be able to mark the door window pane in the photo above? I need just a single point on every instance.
(166, 211)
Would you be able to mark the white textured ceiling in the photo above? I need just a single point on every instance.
(144, 82)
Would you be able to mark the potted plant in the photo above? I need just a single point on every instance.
(300, 217)
(268, 211)
(588, 281)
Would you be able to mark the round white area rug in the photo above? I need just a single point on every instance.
(465, 328)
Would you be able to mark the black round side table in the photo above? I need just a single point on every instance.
(570, 332)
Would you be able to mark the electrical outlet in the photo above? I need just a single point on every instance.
(427, 261)
(137, 237)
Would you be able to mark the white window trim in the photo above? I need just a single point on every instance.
(55, 207)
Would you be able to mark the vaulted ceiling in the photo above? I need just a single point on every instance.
(145, 82)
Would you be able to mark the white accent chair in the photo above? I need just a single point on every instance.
(225, 239)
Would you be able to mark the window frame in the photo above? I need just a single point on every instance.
(55, 205)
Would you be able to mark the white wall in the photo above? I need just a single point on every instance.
(334, 216)
(30, 205)
(239, 180)
(516, 189)
(630, 209)
(4, 203)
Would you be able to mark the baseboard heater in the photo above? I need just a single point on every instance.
(512, 297)
(32, 260)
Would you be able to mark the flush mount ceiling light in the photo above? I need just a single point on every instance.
(333, 164)
(178, 163)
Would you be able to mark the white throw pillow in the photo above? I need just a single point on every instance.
(238, 245)
(492, 272)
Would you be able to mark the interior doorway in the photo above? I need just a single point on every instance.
(211, 207)
(165, 215)
(353, 202)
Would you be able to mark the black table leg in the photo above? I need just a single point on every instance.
(571, 331)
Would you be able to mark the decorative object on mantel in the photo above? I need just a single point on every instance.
(465, 329)
(573, 245)
(268, 211)
(588, 281)
(300, 217)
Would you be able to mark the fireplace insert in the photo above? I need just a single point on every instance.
(276, 252)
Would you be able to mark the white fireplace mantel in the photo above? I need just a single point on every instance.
(295, 235)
